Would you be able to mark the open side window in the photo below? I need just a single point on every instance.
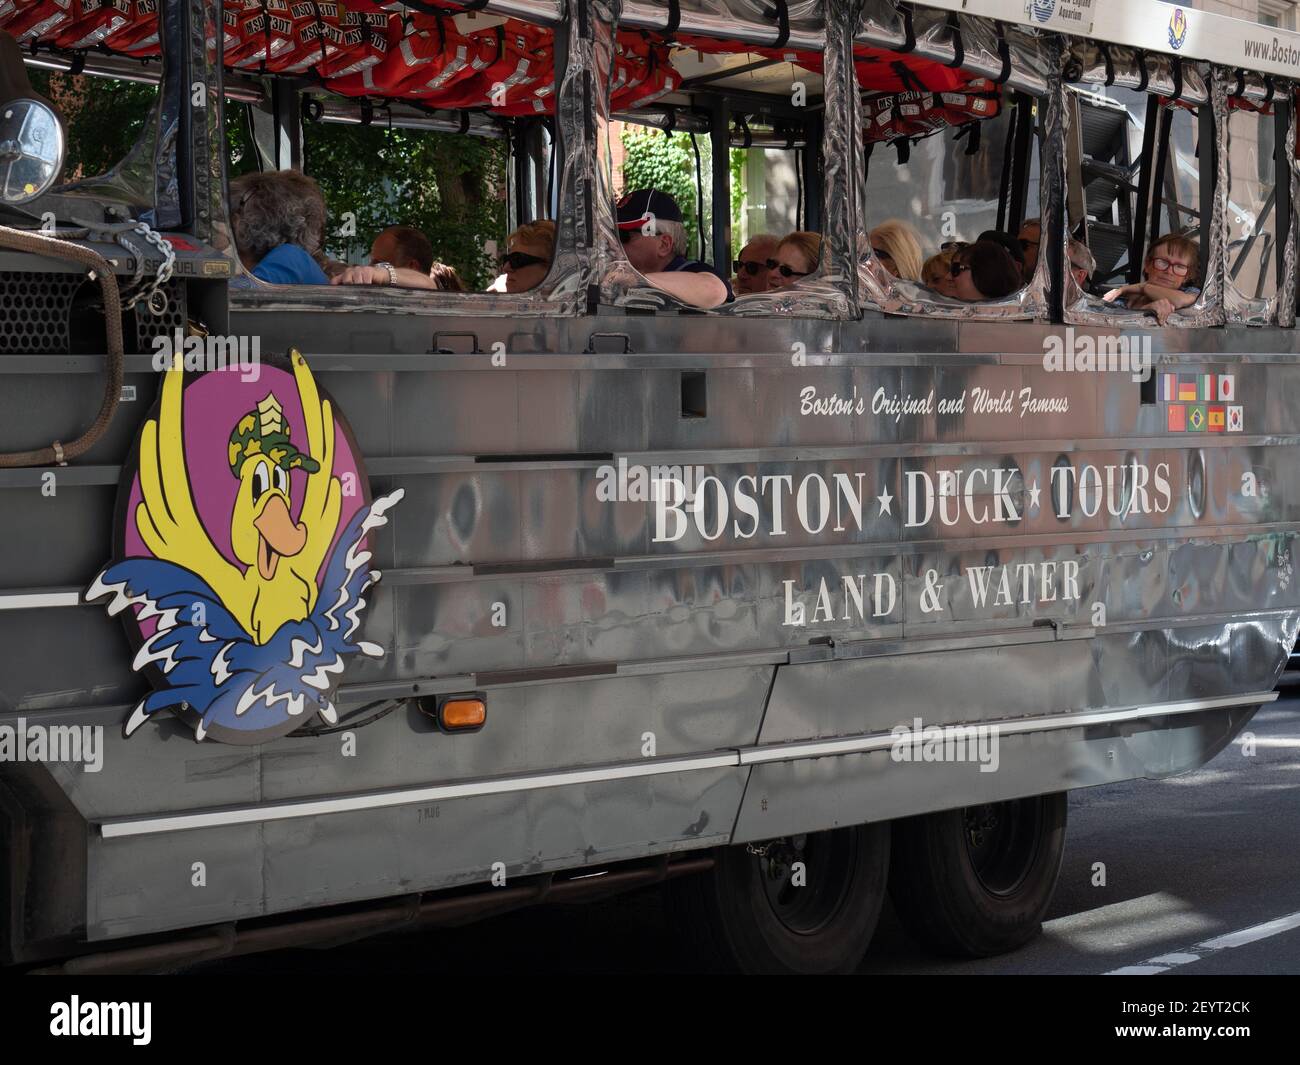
(739, 146)
(1143, 177)
(956, 160)
(1258, 211)
(449, 120)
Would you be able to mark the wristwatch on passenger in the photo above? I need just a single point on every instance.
(392, 272)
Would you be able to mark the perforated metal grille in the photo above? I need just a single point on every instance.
(148, 326)
(34, 311)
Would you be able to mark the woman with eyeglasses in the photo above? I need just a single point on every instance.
(1169, 275)
(896, 245)
(796, 256)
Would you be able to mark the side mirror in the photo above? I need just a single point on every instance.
(32, 144)
(31, 150)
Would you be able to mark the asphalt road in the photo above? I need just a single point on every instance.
(1212, 857)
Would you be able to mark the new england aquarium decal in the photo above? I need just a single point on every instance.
(240, 552)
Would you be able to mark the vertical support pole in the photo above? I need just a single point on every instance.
(844, 215)
(720, 143)
(1052, 191)
(1209, 169)
(1147, 171)
(1004, 179)
(812, 172)
(1287, 177)
(584, 215)
(1283, 153)
(1020, 162)
(286, 117)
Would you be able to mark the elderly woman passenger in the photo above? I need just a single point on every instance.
(278, 220)
(1168, 279)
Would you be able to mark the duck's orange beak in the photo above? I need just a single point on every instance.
(278, 535)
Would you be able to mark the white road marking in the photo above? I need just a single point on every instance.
(1240, 938)
(1252, 935)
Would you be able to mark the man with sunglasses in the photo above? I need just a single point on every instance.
(751, 267)
(654, 239)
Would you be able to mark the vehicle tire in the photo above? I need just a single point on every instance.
(746, 914)
(976, 881)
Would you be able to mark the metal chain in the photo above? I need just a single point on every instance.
(155, 299)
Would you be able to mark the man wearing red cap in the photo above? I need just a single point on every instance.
(654, 240)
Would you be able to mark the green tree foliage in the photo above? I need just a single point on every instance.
(656, 160)
(666, 161)
(104, 118)
(449, 187)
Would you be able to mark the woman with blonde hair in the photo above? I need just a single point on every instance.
(796, 256)
(896, 245)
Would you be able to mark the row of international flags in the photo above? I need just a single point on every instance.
(1197, 387)
(1198, 403)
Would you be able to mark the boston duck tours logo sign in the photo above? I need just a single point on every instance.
(240, 554)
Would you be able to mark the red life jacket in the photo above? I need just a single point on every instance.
(266, 35)
(643, 72)
(876, 68)
(140, 35)
(37, 21)
(422, 54)
(917, 114)
(92, 22)
(367, 36)
(315, 33)
(231, 11)
(519, 61)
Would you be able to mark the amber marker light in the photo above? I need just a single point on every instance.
(462, 713)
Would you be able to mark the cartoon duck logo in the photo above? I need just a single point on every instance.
(243, 634)
(1177, 28)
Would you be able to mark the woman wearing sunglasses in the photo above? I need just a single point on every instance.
(1169, 279)
(895, 244)
(796, 256)
(984, 271)
(529, 250)
(937, 273)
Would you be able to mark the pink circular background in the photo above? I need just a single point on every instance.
(211, 407)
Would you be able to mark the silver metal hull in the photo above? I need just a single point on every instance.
(649, 694)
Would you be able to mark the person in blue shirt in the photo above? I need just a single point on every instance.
(278, 220)
(654, 240)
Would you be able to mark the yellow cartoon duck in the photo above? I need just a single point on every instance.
(281, 557)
